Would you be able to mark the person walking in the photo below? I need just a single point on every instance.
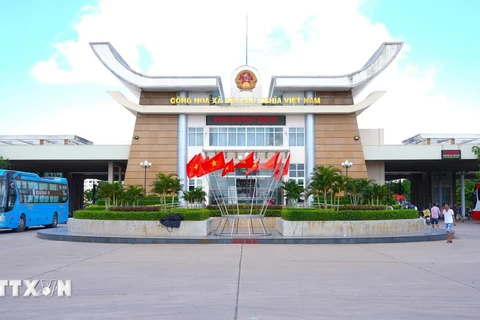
(449, 219)
(435, 214)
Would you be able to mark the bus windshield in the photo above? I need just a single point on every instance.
(3, 192)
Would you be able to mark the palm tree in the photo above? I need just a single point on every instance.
(293, 191)
(105, 191)
(199, 195)
(321, 181)
(195, 195)
(134, 194)
(338, 186)
(175, 188)
(164, 185)
(117, 191)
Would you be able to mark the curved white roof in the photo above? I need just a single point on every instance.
(355, 81)
(136, 81)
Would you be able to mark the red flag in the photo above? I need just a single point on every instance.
(286, 166)
(271, 163)
(253, 168)
(191, 167)
(247, 162)
(214, 164)
(278, 167)
(229, 167)
(198, 165)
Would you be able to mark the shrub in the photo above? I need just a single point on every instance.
(188, 215)
(360, 207)
(310, 214)
(94, 207)
(135, 209)
(243, 208)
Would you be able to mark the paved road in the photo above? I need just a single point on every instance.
(427, 280)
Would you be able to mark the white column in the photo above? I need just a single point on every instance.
(110, 171)
(182, 153)
(309, 143)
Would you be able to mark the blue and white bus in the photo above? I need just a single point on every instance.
(28, 200)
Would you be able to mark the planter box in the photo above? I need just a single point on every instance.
(141, 228)
(349, 228)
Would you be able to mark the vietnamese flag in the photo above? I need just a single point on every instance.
(198, 165)
(247, 162)
(278, 167)
(286, 166)
(253, 168)
(271, 163)
(214, 164)
(191, 166)
(229, 167)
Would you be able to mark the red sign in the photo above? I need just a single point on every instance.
(451, 154)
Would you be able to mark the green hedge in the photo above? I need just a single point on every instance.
(310, 214)
(95, 207)
(188, 215)
(96, 212)
(272, 211)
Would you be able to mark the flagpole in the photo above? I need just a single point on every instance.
(267, 198)
(272, 190)
(221, 194)
(222, 213)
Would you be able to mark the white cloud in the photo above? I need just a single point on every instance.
(208, 38)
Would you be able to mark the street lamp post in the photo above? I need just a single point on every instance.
(145, 165)
(346, 164)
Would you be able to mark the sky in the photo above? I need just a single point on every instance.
(52, 83)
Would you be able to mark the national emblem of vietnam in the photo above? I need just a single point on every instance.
(246, 80)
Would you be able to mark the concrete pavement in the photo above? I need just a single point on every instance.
(423, 280)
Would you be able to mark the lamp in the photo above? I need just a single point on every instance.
(356, 138)
(136, 137)
(145, 165)
(346, 164)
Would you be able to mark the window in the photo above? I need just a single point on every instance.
(195, 137)
(297, 172)
(42, 192)
(246, 137)
(296, 137)
(195, 183)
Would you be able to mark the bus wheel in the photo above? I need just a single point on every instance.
(54, 222)
(21, 224)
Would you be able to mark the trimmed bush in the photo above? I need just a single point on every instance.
(310, 214)
(135, 209)
(188, 215)
(243, 208)
(360, 208)
(94, 207)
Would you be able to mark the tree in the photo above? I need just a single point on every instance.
(133, 194)
(321, 181)
(109, 191)
(293, 191)
(164, 185)
(4, 163)
(194, 196)
(476, 152)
